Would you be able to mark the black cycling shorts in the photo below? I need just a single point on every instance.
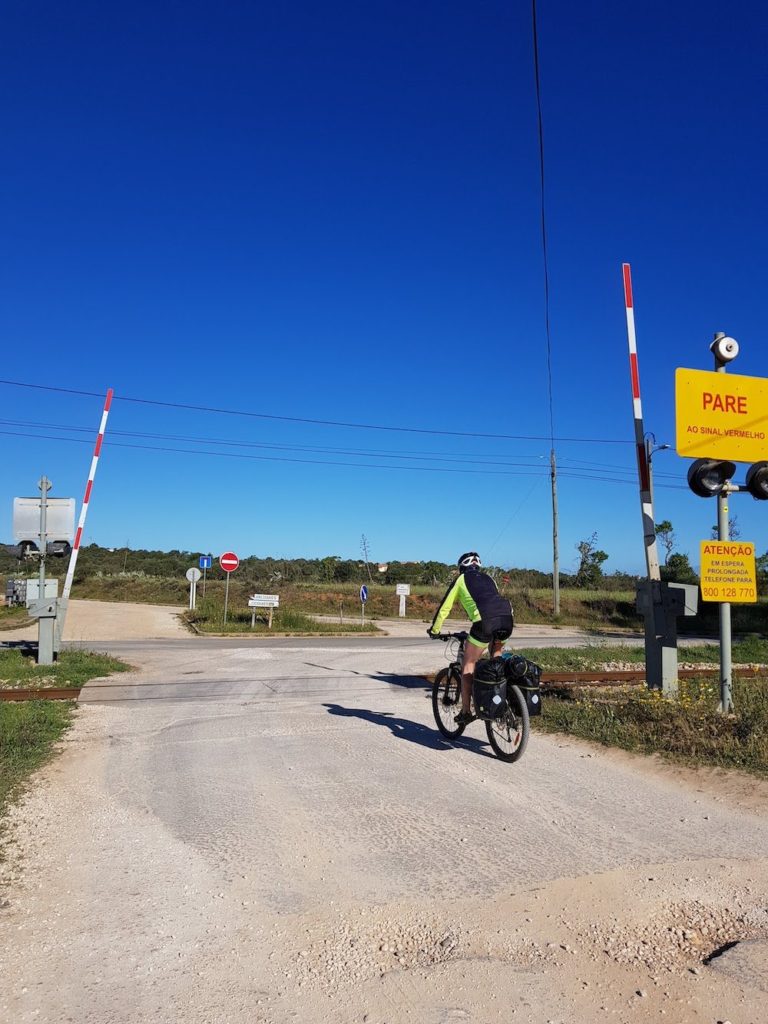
(487, 630)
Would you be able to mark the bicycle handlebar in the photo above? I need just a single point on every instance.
(445, 637)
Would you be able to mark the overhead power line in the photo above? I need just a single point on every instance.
(501, 460)
(314, 422)
(520, 470)
(524, 471)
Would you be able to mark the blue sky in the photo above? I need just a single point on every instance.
(331, 212)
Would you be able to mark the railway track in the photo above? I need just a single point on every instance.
(549, 681)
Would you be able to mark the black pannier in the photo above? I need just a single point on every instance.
(489, 688)
(526, 676)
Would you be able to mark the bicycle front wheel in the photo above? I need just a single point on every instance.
(446, 702)
(508, 734)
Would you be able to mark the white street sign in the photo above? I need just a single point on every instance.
(403, 589)
(270, 601)
(193, 575)
(264, 601)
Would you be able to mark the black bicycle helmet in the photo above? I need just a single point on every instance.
(468, 559)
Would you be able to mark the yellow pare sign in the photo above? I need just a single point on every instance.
(728, 571)
(721, 415)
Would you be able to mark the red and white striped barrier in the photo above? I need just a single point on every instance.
(643, 468)
(81, 522)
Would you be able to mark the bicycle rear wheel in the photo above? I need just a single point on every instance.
(446, 702)
(508, 734)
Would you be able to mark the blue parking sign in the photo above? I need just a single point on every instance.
(205, 561)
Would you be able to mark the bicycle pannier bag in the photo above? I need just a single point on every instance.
(489, 688)
(530, 687)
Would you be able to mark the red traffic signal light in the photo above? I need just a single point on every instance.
(757, 481)
(708, 478)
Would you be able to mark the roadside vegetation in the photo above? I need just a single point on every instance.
(29, 730)
(14, 618)
(19, 671)
(751, 651)
(208, 617)
(689, 730)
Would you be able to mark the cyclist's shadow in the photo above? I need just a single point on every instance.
(404, 729)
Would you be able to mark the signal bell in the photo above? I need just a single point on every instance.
(757, 481)
(708, 478)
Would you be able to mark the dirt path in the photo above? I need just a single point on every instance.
(108, 620)
(317, 853)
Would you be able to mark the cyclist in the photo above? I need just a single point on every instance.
(491, 616)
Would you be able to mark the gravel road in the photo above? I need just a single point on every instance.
(306, 847)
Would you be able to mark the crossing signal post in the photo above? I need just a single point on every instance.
(718, 418)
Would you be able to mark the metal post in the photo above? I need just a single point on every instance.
(724, 533)
(555, 543)
(205, 570)
(45, 485)
(226, 598)
(45, 624)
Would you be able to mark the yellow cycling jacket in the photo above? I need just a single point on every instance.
(477, 594)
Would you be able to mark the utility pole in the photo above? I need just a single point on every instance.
(364, 548)
(555, 541)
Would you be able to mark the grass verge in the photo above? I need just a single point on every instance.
(14, 618)
(209, 618)
(689, 730)
(18, 669)
(751, 651)
(28, 732)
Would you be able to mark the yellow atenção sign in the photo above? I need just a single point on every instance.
(728, 571)
(721, 416)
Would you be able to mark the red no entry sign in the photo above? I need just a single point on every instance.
(229, 561)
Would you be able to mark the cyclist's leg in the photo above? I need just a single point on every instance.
(473, 648)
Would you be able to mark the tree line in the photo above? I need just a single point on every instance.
(589, 573)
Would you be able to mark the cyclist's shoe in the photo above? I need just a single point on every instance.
(464, 718)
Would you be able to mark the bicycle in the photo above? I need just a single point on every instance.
(507, 732)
